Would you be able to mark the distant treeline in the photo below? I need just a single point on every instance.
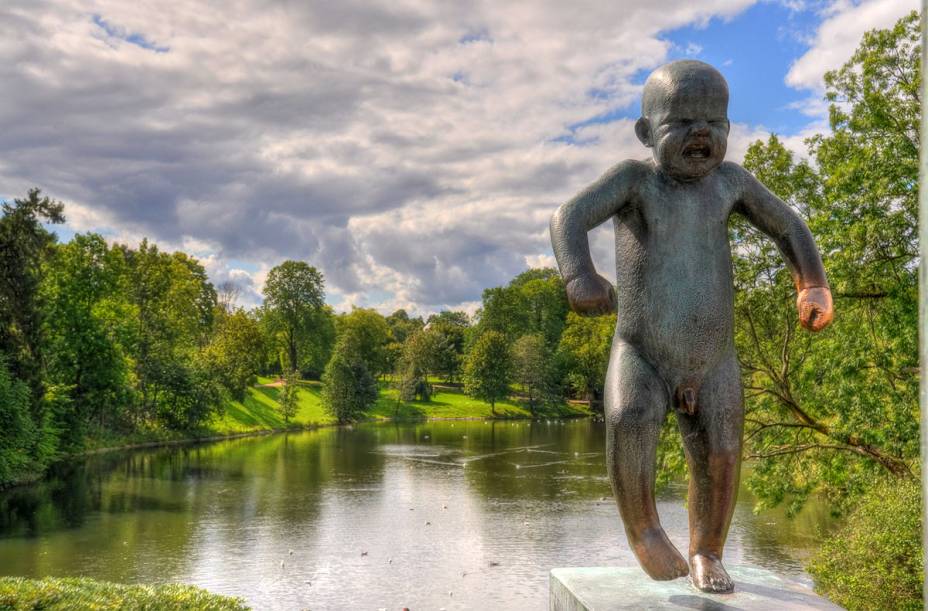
(103, 338)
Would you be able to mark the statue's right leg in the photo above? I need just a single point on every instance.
(636, 403)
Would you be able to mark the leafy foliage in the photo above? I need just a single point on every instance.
(875, 560)
(349, 388)
(534, 302)
(88, 334)
(294, 301)
(418, 359)
(450, 331)
(531, 368)
(488, 368)
(584, 349)
(236, 351)
(18, 432)
(288, 397)
(368, 334)
(24, 246)
(830, 414)
(54, 594)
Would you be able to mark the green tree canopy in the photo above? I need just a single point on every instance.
(348, 387)
(530, 360)
(236, 351)
(367, 334)
(488, 368)
(419, 357)
(89, 334)
(584, 352)
(535, 302)
(294, 299)
(832, 412)
(24, 245)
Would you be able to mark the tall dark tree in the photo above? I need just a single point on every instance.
(24, 245)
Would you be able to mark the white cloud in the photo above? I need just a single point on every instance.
(406, 149)
(693, 49)
(839, 35)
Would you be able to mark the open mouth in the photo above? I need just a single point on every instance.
(697, 151)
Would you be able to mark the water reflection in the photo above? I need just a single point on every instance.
(428, 515)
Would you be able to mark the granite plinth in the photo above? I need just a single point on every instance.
(613, 588)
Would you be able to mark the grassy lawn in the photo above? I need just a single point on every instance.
(82, 593)
(260, 411)
(453, 403)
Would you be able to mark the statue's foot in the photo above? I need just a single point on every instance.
(657, 555)
(708, 574)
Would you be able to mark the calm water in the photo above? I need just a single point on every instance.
(462, 515)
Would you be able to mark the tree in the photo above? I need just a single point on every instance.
(584, 351)
(236, 351)
(174, 304)
(875, 560)
(530, 361)
(348, 387)
(833, 413)
(87, 332)
(369, 335)
(534, 302)
(402, 326)
(24, 245)
(26, 416)
(417, 360)
(449, 329)
(294, 298)
(18, 432)
(487, 369)
(288, 396)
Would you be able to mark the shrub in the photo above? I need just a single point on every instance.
(875, 560)
(81, 593)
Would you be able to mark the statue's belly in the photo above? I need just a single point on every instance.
(675, 304)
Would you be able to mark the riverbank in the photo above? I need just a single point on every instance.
(259, 414)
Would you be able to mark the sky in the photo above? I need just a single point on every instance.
(413, 151)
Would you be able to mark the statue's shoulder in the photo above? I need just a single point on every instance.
(629, 173)
(729, 170)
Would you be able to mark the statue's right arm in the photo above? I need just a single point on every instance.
(587, 291)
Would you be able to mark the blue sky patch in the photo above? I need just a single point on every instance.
(133, 38)
(754, 50)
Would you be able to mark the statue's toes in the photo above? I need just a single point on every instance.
(708, 575)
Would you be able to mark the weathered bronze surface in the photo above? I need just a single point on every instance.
(674, 339)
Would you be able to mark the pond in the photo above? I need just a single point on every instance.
(454, 515)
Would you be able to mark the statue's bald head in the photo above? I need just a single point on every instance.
(684, 118)
(685, 81)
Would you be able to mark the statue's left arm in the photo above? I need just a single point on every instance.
(775, 218)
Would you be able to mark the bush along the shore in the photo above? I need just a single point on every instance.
(78, 594)
(875, 560)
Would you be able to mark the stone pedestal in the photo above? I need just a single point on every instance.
(611, 588)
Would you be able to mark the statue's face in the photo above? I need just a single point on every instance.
(689, 132)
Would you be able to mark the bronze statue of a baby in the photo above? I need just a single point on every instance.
(674, 339)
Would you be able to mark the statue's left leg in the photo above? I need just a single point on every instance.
(712, 442)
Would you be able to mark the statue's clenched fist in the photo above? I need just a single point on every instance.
(815, 308)
(591, 294)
